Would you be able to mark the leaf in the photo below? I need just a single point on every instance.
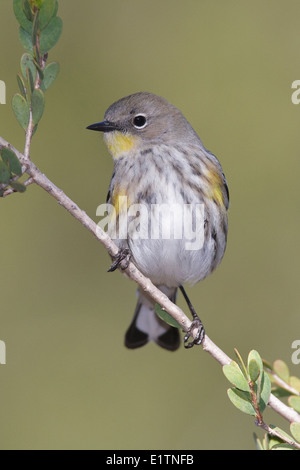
(295, 383)
(21, 110)
(273, 441)
(243, 367)
(283, 446)
(50, 74)
(35, 27)
(34, 130)
(267, 364)
(258, 444)
(36, 63)
(235, 364)
(37, 105)
(27, 61)
(266, 442)
(281, 369)
(294, 402)
(30, 81)
(281, 432)
(295, 430)
(19, 187)
(242, 400)
(21, 85)
(38, 3)
(4, 173)
(26, 40)
(253, 369)
(236, 377)
(12, 161)
(21, 16)
(50, 35)
(165, 316)
(265, 391)
(255, 365)
(27, 10)
(280, 392)
(48, 10)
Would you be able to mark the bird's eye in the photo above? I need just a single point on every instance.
(140, 121)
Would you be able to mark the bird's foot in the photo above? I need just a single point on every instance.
(196, 323)
(121, 260)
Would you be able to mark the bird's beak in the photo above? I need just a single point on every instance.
(104, 126)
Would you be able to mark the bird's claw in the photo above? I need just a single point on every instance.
(196, 323)
(121, 260)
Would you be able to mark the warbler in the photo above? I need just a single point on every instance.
(160, 162)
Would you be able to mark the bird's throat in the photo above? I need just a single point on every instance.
(119, 143)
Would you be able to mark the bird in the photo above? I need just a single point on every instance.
(161, 165)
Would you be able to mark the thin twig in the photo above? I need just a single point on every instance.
(9, 191)
(277, 434)
(259, 421)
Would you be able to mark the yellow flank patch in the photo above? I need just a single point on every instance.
(118, 142)
(120, 201)
(215, 191)
(218, 195)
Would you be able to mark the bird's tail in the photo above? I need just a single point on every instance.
(147, 326)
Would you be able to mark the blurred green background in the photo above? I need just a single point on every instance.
(69, 382)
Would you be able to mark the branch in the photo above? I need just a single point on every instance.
(132, 272)
(275, 433)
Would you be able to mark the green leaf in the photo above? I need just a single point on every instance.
(253, 369)
(30, 81)
(21, 16)
(4, 173)
(39, 69)
(273, 441)
(295, 430)
(35, 27)
(258, 444)
(265, 391)
(26, 40)
(12, 161)
(165, 316)
(267, 364)
(242, 400)
(27, 62)
(283, 446)
(21, 110)
(281, 369)
(50, 35)
(50, 74)
(47, 12)
(294, 402)
(279, 392)
(235, 364)
(27, 10)
(19, 187)
(37, 3)
(255, 365)
(243, 367)
(266, 442)
(37, 105)
(295, 383)
(236, 377)
(281, 432)
(37, 60)
(21, 85)
(34, 130)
